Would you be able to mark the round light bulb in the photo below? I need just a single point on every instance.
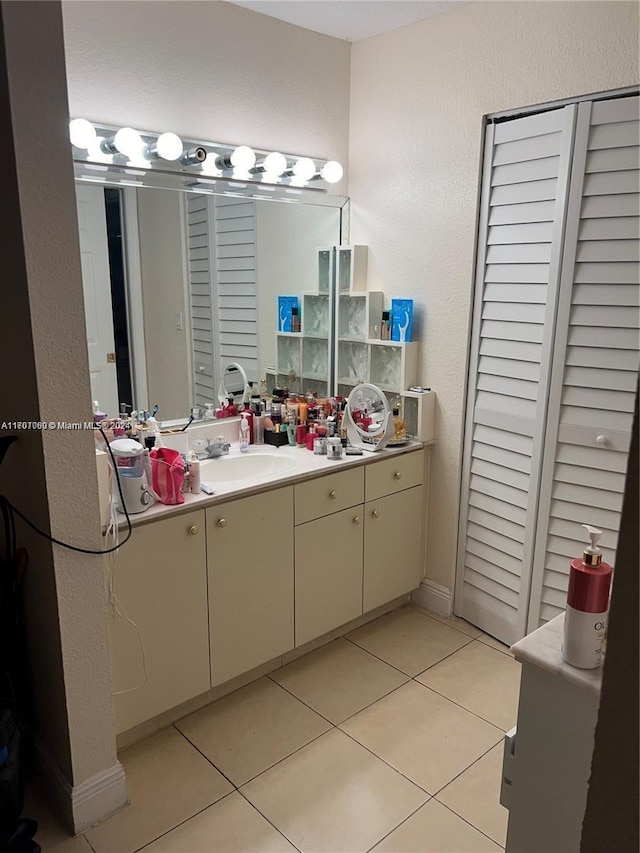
(96, 153)
(81, 132)
(169, 146)
(275, 164)
(128, 142)
(243, 158)
(332, 172)
(304, 168)
(209, 165)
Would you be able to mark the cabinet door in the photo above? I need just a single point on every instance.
(250, 557)
(328, 573)
(161, 582)
(393, 553)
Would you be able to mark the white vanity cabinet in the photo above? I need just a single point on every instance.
(216, 592)
(394, 523)
(328, 553)
(161, 585)
(250, 560)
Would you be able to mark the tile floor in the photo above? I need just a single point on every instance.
(389, 739)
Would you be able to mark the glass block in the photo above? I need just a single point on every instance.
(344, 270)
(352, 362)
(386, 367)
(315, 359)
(316, 315)
(324, 270)
(288, 354)
(353, 317)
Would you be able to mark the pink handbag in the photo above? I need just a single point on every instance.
(167, 475)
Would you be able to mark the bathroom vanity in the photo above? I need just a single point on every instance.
(223, 584)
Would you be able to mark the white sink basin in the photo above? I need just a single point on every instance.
(252, 466)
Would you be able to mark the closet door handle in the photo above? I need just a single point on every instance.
(602, 439)
(397, 475)
(222, 522)
(194, 530)
(333, 495)
(357, 519)
(375, 514)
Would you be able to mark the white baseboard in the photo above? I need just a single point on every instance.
(84, 805)
(434, 597)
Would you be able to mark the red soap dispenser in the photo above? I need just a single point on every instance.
(585, 620)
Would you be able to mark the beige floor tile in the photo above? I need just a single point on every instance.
(339, 679)
(475, 796)
(481, 679)
(52, 836)
(453, 622)
(495, 644)
(424, 736)
(434, 829)
(409, 640)
(168, 781)
(250, 730)
(334, 796)
(230, 826)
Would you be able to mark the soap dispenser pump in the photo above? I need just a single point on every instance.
(244, 434)
(585, 620)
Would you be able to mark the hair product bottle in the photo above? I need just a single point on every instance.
(585, 621)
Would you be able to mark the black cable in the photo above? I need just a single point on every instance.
(8, 507)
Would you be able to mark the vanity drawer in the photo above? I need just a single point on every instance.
(394, 475)
(328, 494)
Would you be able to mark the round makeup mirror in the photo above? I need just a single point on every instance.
(233, 382)
(369, 418)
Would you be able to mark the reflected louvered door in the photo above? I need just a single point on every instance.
(237, 300)
(202, 305)
(596, 355)
(523, 202)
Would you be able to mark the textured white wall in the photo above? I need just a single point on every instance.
(209, 70)
(418, 95)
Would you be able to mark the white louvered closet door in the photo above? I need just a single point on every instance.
(201, 300)
(596, 354)
(523, 201)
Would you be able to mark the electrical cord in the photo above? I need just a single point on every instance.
(12, 511)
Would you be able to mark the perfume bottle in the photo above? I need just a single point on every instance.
(385, 326)
(399, 426)
(295, 319)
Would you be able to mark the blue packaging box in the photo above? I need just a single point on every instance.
(401, 319)
(285, 304)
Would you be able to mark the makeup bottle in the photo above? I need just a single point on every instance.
(385, 326)
(585, 619)
(295, 319)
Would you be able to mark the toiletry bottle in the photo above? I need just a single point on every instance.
(295, 319)
(195, 482)
(585, 620)
(244, 434)
(399, 426)
(385, 326)
(97, 414)
(258, 429)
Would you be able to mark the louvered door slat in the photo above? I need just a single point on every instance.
(526, 163)
(597, 351)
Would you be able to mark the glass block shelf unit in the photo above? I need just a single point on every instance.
(359, 315)
(390, 365)
(351, 268)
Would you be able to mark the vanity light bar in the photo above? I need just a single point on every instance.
(125, 148)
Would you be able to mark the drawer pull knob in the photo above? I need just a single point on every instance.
(194, 530)
(397, 475)
(333, 495)
(375, 514)
(222, 522)
(357, 519)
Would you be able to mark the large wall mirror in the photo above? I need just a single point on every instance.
(178, 284)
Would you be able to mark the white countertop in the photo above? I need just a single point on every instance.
(304, 464)
(542, 649)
